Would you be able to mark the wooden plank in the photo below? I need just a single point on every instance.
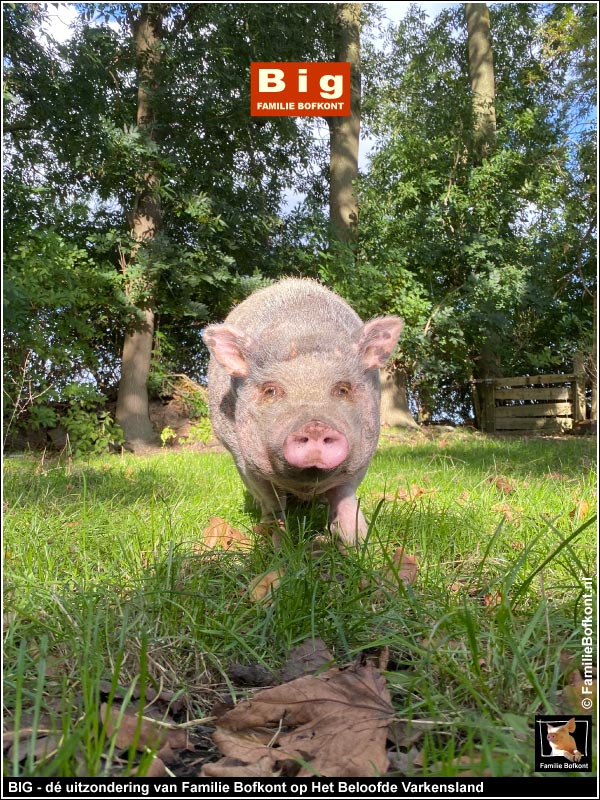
(535, 410)
(544, 424)
(533, 380)
(550, 393)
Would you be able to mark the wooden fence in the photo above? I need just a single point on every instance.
(533, 404)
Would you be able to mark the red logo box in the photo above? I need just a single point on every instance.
(300, 89)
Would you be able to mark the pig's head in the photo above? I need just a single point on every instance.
(305, 409)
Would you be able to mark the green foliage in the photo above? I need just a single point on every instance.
(90, 428)
(77, 164)
(200, 431)
(470, 252)
(167, 435)
(466, 252)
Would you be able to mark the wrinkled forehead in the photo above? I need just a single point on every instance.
(317, 367)
(277, 348)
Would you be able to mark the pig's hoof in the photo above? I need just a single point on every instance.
(344, 540)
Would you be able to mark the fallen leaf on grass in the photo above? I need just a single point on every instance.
(333, 724)
(501, 483)
(405, 568)
(154, 735)
(262, 586)
(414, 492)
(220, 533)
(581, 510)
(405, 735)
(306, 659)
(41, 747)
(510, 512)
(251, 674)
(163, 701)
(404, 495)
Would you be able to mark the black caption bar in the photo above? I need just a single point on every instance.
(559, 787)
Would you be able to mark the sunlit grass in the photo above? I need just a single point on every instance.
(103, 582)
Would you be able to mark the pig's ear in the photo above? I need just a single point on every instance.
(378, 339)
(230, 347)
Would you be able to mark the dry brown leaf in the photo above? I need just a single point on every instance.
(262, 586)
(581, 510)
(251, 674)
(414, 492)
(404, 495)
(406, 566)
(404, 735)
(335, 722)
(152, 734)
(510, 512)
(43, 747)
(501, 483)
(219, 533)
(306, 659)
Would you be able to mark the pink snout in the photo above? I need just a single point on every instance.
(315, 445)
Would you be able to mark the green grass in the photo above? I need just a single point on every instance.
(104, 592)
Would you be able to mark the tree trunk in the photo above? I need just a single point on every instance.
(132, 400)
(394, 400)
(344, 132)
(481, 78)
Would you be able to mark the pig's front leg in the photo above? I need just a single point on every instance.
(347, 520)
(271, 504)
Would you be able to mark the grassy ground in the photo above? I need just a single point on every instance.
(105, 590)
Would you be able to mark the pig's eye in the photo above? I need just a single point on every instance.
(270, 391)
(342, 389)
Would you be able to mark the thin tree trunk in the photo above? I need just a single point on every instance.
(345, 131)
(132, 400)
(481, 78)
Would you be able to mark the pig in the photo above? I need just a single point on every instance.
(294, 395)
